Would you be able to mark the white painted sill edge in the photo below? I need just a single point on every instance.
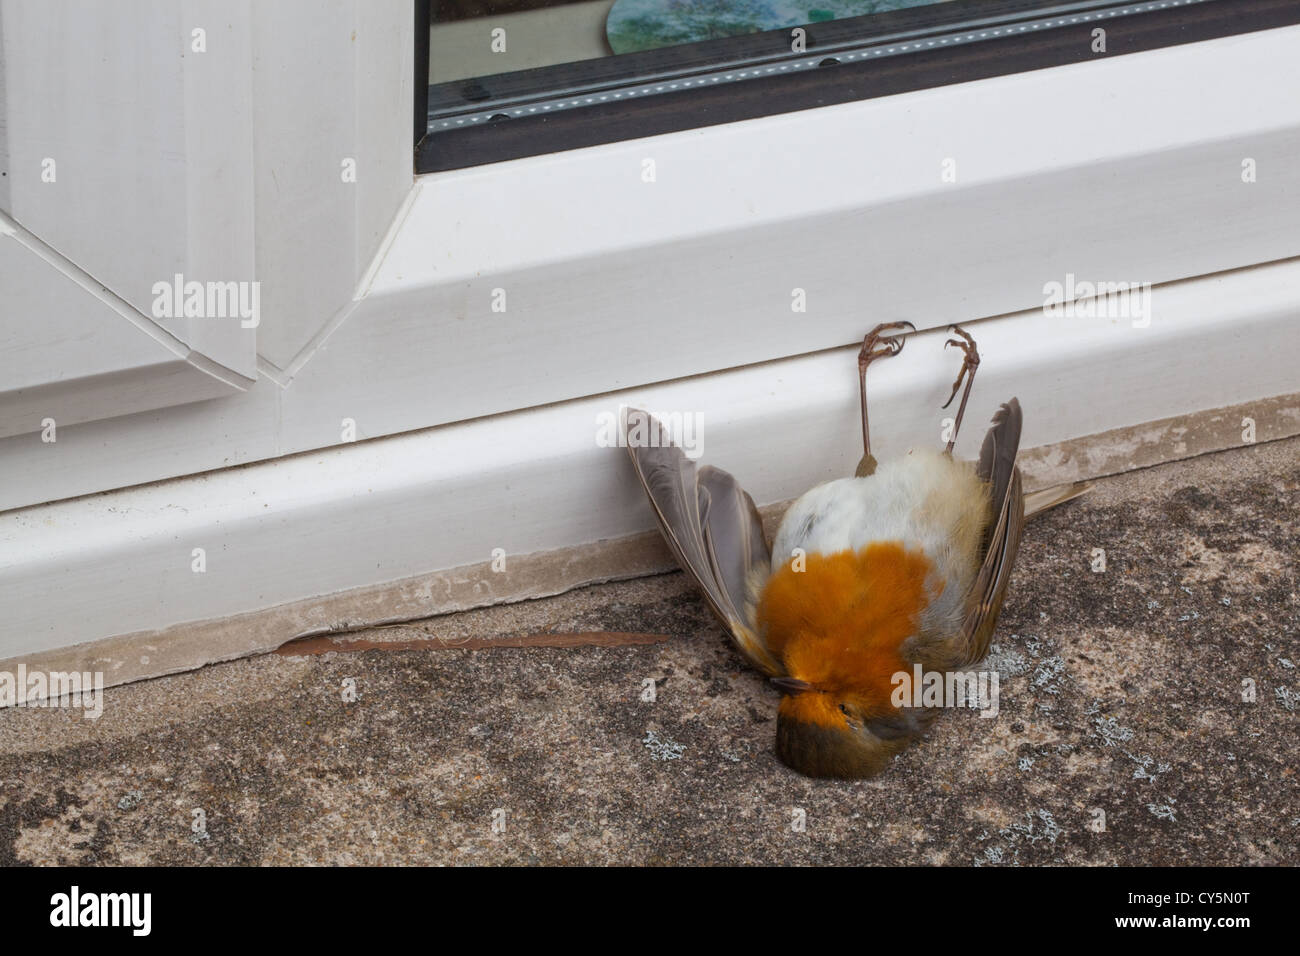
(387, 510)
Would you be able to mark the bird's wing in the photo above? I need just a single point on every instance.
(997, 466)
(710, 524)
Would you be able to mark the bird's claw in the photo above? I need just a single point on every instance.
(969, 363)
(891, 345)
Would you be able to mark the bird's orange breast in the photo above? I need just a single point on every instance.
(839, 622)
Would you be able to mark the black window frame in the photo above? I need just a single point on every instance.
(834, 81)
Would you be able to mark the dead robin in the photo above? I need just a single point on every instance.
(904, 564)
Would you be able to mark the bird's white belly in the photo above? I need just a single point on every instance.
(924, 500)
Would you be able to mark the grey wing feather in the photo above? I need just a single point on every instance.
(710, 525)
(733, 533)
(998, 453)
(997, 465)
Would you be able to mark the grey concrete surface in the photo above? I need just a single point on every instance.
(1122, 692)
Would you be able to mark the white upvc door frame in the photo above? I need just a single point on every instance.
(784, 235)
(130, 151)
(221, 141)
(379, 302)
(535, 501)
(1127, 169)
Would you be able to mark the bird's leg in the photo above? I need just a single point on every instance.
(874, 346)
(968, 366)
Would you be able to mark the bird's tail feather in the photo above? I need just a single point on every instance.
(1037, 502)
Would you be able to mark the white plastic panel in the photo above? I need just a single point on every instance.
(537, 480)
(131, 152)
(70, 352)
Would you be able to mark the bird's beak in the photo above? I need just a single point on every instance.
(791, 685)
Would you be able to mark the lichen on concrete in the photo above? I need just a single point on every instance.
(1125, 733)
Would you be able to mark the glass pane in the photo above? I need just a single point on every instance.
(493, 61)
(548, 32)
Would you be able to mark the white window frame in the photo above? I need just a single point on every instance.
(702, 259)
(615, 285)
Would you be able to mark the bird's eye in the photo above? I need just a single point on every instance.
(845, 711)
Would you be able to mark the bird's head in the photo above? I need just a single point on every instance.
(826, 732)
(843, 628)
